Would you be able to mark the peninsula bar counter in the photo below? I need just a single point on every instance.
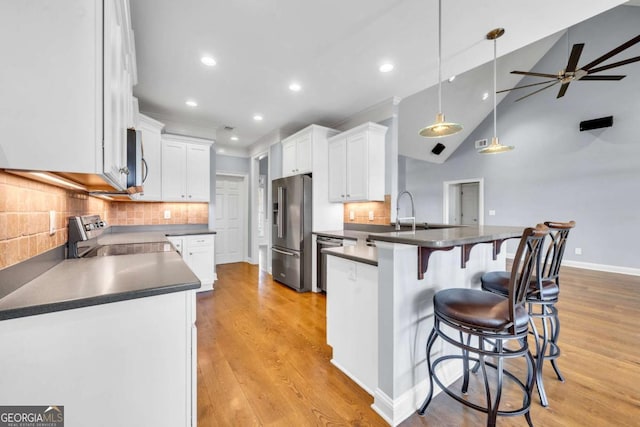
(412, 267)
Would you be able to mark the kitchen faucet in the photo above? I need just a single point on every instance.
(413, 211)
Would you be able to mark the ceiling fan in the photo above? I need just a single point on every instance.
(586, 72)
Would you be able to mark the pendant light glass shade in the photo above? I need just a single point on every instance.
(495, 147)
(440, 128)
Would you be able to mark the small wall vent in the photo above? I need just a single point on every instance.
(481, 143)
(229, 128)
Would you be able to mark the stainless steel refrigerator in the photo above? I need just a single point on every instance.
(291, 232)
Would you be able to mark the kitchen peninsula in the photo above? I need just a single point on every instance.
(391, 305)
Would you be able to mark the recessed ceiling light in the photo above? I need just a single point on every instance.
(452, 78)
(191, 103)
(234, 138)
(485, 96)
(295, 87)
(257, 118)
(208, 61)
(386, 67)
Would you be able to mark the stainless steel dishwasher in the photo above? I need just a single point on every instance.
(324, 242)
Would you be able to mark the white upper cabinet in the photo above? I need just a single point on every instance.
(297, 155)
(152, 148)
(357, 164)
(67, 76)
(185, 169)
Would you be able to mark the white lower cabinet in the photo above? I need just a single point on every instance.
(198, 251)
(352, 319)
(126, 363)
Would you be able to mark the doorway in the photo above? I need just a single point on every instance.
(464, 202)
(231, 218)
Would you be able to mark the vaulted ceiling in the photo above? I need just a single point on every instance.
(333, 49)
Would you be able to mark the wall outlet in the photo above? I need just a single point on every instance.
(370, 215)
(52, 223)
(492, 212)
(578, 251)
(352, 215)
(167, 214)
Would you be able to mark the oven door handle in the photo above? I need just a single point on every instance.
(327, 243)
(284, 252)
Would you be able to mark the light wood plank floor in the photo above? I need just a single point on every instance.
(263, 359)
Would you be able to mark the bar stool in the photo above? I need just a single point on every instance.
(488, 318)
(541, 300)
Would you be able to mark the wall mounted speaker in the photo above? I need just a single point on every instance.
(438, 149)
(602, 122)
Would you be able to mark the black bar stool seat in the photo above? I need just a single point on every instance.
(498, 283)
(478, 310)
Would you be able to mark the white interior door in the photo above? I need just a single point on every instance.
(231, 220)
(463, 201)
(469, 209)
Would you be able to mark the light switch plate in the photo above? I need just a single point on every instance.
(370, 215)
(167, 214)
(352, 215)
(492, 212)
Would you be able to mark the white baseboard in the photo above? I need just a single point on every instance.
(596, 267)
(395, 411)
(353, 377)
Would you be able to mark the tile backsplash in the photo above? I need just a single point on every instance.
(25, 207)
(381, 212)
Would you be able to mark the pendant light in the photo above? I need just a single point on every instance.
(495, 147)
(440, 128)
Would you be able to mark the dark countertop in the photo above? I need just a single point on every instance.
(165, 229)
(447, 237)
(75, 283)
(359, 253)
(344, 234)
(82, 282)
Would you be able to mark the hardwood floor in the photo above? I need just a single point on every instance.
(263, 359)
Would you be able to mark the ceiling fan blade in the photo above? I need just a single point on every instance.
(614, 52)
(521, 87)
(529, 73)
(615, 64)
(539, 90)
(576, 51)
(563, 89)
(603, 78)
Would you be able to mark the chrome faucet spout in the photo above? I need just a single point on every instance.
(413, 210)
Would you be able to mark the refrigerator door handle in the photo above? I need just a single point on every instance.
(280, 212)
(284, 252)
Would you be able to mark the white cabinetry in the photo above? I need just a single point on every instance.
(70, 114)
(352, 319)
(357, 164)
(198, 251)
(152, 146)
(114, 364)
(185, 169)
(297, 156)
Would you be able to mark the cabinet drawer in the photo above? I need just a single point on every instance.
(200, 240)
